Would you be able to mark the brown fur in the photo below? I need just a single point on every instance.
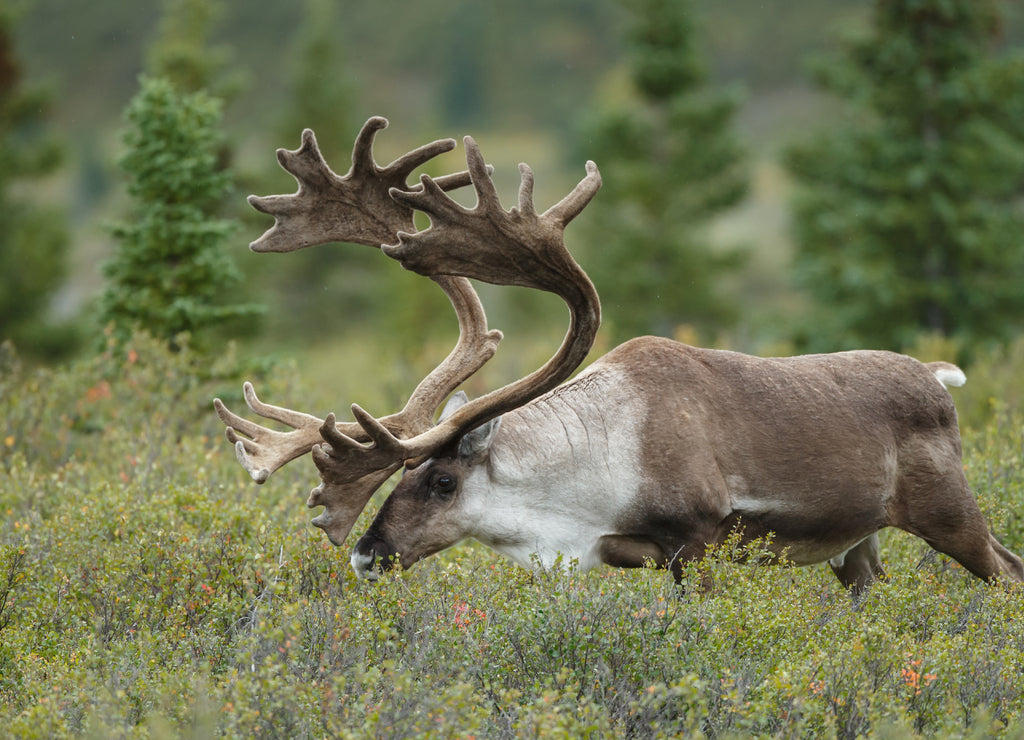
(835, 447)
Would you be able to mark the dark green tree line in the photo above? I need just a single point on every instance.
(670, 163)
(33, 237)
(909, 217)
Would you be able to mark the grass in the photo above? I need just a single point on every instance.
(148, 589)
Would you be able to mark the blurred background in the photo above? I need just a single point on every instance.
(765, 189)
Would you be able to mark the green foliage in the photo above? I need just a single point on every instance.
(170, 272)
(669, 164)
(33, 238)
(321, 93)
(149, 589)
(909, 217)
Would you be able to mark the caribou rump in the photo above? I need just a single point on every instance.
(650, 455)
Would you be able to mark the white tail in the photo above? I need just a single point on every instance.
(948, 374)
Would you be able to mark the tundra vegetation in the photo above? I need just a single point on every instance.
(149, 590)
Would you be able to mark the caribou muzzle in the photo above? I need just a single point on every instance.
(372, 556)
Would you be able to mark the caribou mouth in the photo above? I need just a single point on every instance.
(363, 566)
(371, 557)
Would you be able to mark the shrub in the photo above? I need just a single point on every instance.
(149, 589)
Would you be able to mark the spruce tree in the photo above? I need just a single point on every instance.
(33, 238)
(171, 271)
(182, 51)
(909, 216)
(321, 91)
(331, 278)
(670, 163)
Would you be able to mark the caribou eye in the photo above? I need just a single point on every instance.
(443, 485)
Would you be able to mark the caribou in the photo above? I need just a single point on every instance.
(652, 454)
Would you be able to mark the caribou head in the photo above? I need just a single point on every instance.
(650, 455)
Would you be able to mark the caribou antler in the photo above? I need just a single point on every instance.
(355, 208)
(261, 450)
(344, 497)
(343, 501)
(517, 247)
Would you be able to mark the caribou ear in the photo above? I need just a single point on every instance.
(476, 442)
(456, 402)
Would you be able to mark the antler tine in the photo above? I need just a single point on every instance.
(404, 165)
(571, 205)
(526, 207)
(450, 182)
(277, 413)
(362, 149)
(486, 193)
(342, 502)
(307, 164)
(261, 450)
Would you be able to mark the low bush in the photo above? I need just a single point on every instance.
(149, 589)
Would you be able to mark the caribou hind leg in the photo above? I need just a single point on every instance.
(859, 567)
(942, 510)
(1010, 565)
(980, 553)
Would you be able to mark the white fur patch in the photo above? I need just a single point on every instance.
(750, 506)
(743, 502)
(839, 560)
(561, 472)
